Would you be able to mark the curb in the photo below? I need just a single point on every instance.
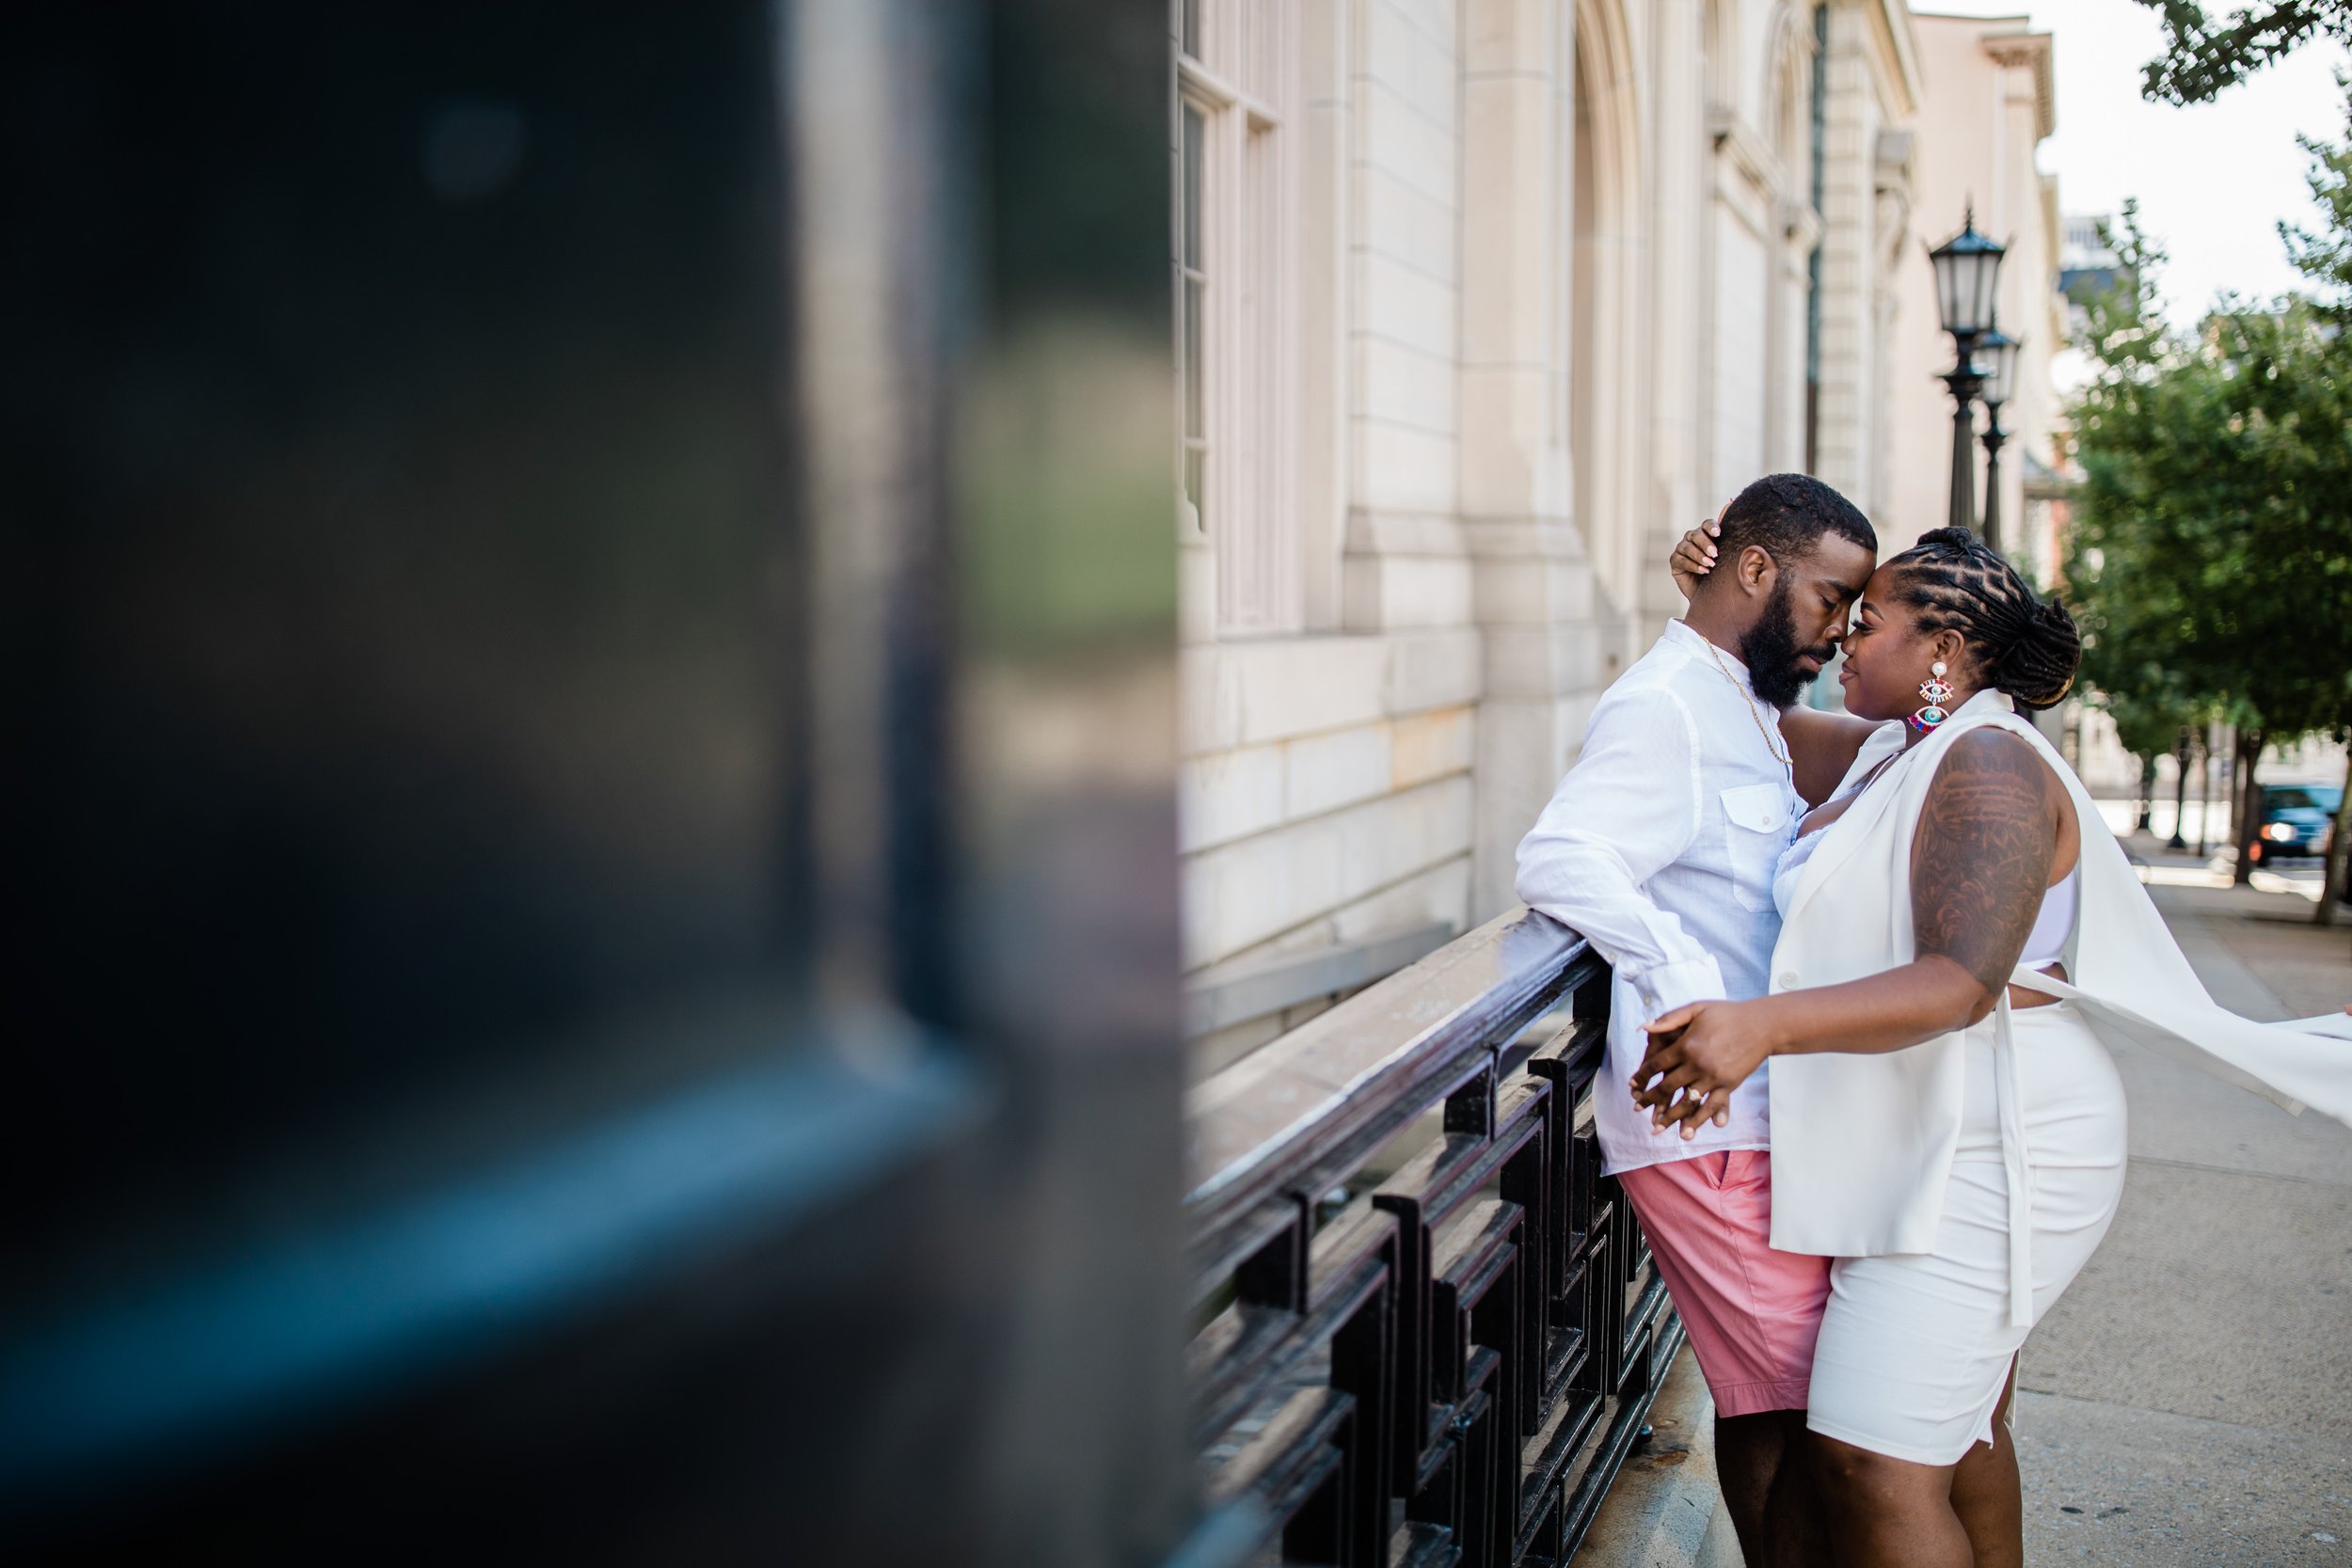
(1666, 1510)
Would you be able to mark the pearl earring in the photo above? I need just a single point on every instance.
(1938, 693)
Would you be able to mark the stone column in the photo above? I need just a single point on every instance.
(1891, 189)
(1677, 495)
(1533, 579)
(1849, 289)
(1403, 565)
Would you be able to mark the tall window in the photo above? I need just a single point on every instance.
(1192, 300)
(1238, 348)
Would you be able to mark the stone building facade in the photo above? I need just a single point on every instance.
(1483, 303)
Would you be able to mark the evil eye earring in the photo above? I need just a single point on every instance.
(1938, 693)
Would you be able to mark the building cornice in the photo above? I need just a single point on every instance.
(1737, 140)
(1800, 226)
(1891, 165)
(2015, 50)
(1890, 26)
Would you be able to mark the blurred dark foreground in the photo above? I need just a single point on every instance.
(589, 602)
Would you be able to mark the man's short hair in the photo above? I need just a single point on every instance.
(1788, 514)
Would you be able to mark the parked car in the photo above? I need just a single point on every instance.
(2296, 820)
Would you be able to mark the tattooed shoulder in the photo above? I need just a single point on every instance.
(1981, 861)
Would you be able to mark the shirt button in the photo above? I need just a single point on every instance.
(1788, 979)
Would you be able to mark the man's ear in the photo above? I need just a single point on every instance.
(1755, 570)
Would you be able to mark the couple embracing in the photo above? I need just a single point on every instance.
(1856, 1088)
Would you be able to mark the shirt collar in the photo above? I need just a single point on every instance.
(1679, 630)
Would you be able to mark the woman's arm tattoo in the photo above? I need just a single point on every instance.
(1981, 861)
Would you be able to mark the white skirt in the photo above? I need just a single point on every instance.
(1916, 1347)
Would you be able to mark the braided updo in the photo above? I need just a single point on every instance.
(2025, 645)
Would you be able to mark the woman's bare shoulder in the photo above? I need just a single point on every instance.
(1992, 768)
(1982, 854)
(1994, 764)
(1821, 722)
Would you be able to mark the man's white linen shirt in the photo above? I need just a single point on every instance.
(1659, 847)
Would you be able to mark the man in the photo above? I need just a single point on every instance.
(1659, 847)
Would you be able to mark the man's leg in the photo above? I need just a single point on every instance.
(1766, 1470)
(1749, 1450)
(1752, 1315)
(1796, 1519)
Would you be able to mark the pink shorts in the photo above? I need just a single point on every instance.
(1753, 1314)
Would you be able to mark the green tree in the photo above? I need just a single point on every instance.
(2283, 627)
(2203, 56)
(2123, 574)
(2325, 256)
(2212, 561)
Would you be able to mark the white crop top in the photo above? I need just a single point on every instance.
(2044, 946)
(2046, 943)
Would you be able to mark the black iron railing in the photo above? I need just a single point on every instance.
(1446, 1361)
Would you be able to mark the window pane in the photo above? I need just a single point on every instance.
(1190, 303)
(1191, 10)
(1194, 422)
(1194, 134)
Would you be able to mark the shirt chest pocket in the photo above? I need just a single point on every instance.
(1758, 823)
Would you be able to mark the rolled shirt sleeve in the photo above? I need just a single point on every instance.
(1628, 808)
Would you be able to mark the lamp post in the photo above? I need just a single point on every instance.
(1968, 268)
(2179, 790)
(1998, 351)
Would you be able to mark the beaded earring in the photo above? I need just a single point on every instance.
(1938, 693)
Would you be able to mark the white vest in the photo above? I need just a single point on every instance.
(1863, 1144)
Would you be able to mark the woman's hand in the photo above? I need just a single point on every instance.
(1694, 557)
(1698, 1055)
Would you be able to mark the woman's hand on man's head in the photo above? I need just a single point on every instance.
(1694, 556)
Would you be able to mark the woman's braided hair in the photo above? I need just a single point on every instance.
(2025, 645)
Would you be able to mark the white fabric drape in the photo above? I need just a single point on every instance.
(1861, 1144)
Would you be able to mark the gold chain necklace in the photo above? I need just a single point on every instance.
(1780, 754)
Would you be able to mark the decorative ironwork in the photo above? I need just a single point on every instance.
(1445, 1363)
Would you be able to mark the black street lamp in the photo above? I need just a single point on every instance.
(1968, 268)
(1998, 352)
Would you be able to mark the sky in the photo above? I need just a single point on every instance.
(2213, 181)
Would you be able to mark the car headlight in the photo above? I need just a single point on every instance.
(2280, 833)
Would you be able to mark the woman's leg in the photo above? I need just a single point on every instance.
(1888, 1513)
(1986, 1496)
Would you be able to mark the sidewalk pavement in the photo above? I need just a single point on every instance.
(2189, 1400)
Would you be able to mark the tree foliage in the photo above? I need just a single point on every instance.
(2323, 255)
(2202, 55)
(2123, 571)
(2212, 556)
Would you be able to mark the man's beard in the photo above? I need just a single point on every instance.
(1770, 653)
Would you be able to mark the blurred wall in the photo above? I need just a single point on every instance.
(590, 839)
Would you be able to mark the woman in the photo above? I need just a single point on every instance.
(1959, 933)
